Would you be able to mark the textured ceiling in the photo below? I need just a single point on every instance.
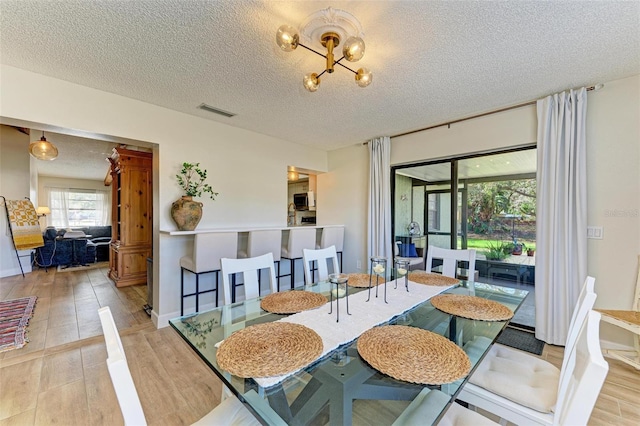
(432, 61)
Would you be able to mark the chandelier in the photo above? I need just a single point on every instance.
(328, 27)
(43, 149)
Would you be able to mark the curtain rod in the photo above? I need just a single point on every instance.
(449, 123)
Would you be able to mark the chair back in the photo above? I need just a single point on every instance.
(332, 236)
(209, 248)
(119, 371)
(263, 242)
(299, 239)
(250, 269)
(320, 256)
(584, 305)
(450, 260)
(584, 374)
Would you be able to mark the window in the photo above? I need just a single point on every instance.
(78, 207)
(433, 201)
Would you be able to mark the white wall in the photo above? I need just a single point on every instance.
(613, 175)
(14, 185)
(342, 198)
(613, 138)
(247, 169)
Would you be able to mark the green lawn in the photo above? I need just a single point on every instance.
(478, 244)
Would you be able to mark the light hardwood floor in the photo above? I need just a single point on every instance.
(61, 376)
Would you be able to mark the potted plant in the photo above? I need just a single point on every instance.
(497, 250)
(530, 251)
(185, 212)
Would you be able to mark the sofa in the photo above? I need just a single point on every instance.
(100, 237)
(58, 250)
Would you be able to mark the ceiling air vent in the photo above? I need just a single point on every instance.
(215, 110)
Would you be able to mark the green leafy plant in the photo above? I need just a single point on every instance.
(498, 250)
(191, 180)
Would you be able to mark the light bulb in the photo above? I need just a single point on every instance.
(287, 38)
(353, 49)
(311, 82)
(363, 77)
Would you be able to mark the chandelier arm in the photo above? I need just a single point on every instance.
(324, 56)
(312, 50)
(344, 66)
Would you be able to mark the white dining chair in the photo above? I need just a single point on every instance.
(208, 249)
(543, 373)
(250, 269)
(230, 411)
(332, 236)
(450, 259)
(525, 389)
(322, 257)
(264, 241)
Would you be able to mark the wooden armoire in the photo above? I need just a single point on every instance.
(131, 220)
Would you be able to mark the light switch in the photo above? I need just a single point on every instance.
(595, 232)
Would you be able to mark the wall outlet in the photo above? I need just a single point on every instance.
(595, 232)
(358, 265)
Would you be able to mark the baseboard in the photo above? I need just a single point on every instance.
(14, 271)
(162, 321)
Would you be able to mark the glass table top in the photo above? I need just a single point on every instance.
(341, 386)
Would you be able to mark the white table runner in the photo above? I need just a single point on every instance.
(364, 315)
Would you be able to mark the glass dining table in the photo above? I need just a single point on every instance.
(341, 388)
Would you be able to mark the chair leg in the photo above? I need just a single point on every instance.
(277, 262)
(181, 292)
(233, 288)
(197, 292)
(293, 273)
(217, 286)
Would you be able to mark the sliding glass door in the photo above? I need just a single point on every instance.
(492, 211)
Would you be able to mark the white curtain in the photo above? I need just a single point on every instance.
(103, 206)
(60, 202)
(561, 234)
(59, 205)
(379, 231)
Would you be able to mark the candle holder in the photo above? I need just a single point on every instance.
(379, 270)
(341, 290)
(402, 270)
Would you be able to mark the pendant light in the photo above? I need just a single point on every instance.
(43, 149)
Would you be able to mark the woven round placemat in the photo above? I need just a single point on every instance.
(290, 302)
(362, 280)
(413, 355)
(471, 307)
(270, 349)
(428, 278)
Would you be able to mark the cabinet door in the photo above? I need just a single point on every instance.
(136, 206)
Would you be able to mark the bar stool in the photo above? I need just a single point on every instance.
(332, 236)
(262, 242)
(208, 249)
(299, 238)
